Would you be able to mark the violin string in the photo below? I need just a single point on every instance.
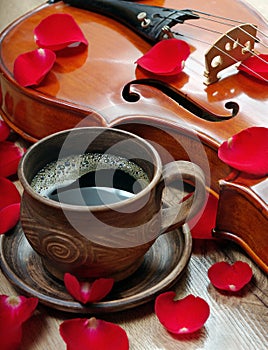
(229, 25)
(228, 55)
(221, 33)
(219, 17)
(230, 38)
(225, 19)
(203, 28)
(233, 40)
(253, 37)
(264, 34)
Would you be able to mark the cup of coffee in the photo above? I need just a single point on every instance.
(93, 201)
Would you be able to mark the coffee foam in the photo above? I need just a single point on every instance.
(67, 170)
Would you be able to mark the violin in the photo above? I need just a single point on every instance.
(206, 104)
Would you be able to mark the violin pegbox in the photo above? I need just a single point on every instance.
(234, 46)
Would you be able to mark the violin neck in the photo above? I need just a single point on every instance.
(150, 22)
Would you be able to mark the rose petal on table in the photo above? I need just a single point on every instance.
(84, 334)
(202, 229)
(17, 308)
(167, 57)
(10, 336)
(230, 277)
(9, 193)
(58, 31)
(10, 155)
(88, 292)
(9, 216)
(14, 311)
(247, 151)
(182, 316)
(256, 66)
(31, 67)
(4, 130)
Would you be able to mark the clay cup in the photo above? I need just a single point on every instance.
(106, 239)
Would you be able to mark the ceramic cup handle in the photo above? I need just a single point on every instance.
(176, 214)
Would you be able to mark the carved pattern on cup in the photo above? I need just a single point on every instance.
(129, 237)
(29, 227)
(61, 247)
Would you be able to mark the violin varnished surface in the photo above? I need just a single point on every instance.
(90, 81)
(237, 321)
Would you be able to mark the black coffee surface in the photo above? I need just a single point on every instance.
(90, 179)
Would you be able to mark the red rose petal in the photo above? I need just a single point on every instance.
(10, 155)
(230, 277)
(9, 205)
(181, 316)
(9, 216)
(14, 311)
(84, 334)
(8, 193)
(247, 151)
(30, 68)
(256, 66)
(202, 229)
(58, 31)
(4, 130)
(167, 57)
(10, 336)
(100, 288)
(17, 308)
(86, 292)
(73, 287)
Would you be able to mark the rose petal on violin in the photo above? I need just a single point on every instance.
(58, 31)
(256, 65)
(31, 67)
(9, 205)
(10, 155)
(202, 229)
(4, 130)
(8, 193)
(230, 277)
(247, 151)
(9, 216)
(182, 316)
(87, 292)
(84, 334)
(167, 57)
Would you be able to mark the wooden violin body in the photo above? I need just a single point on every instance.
(101, 85)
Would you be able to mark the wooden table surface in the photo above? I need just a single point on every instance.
(237, 321)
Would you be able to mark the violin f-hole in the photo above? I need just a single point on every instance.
(234, 46)
(178, 97)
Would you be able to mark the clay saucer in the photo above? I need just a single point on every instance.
(162, 267)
